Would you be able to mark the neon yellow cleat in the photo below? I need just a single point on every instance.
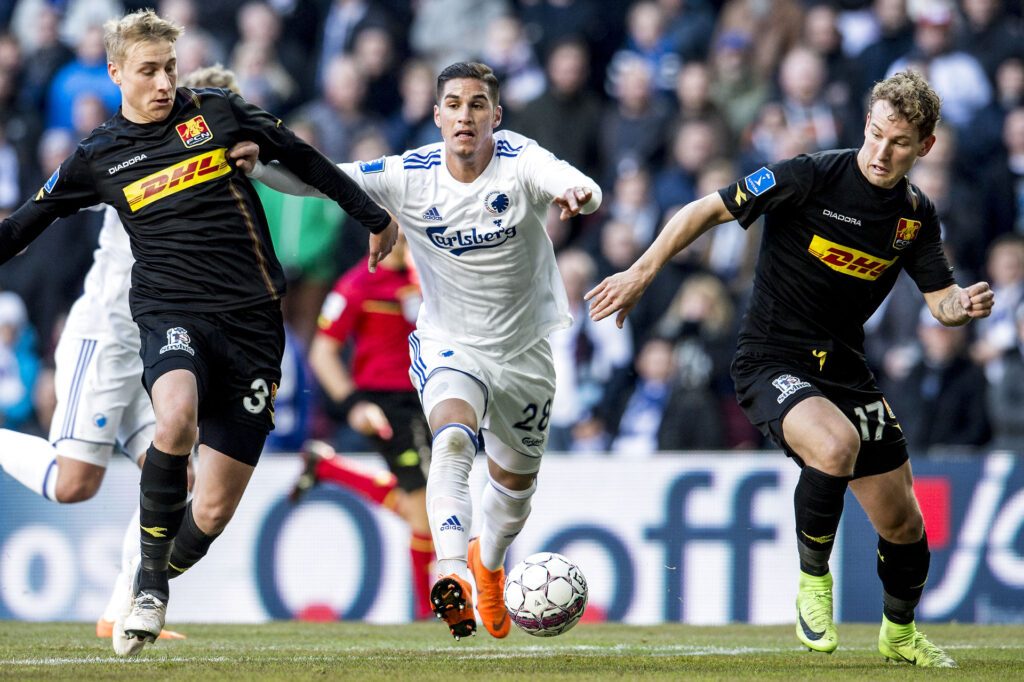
(814, 625)
(904, 644)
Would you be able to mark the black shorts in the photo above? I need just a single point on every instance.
(409, 448)
(236, 359)
(770, 382)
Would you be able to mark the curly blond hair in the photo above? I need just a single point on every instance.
(912, 99)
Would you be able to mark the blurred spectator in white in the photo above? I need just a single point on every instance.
(74, 18)
(941, 401)
(195, 52)
(257, 61)
(998, 333)
(412, 126)
(19, 364)
(633, 127)
(566, 98)
(586, 354)
(773, 25)
(647, 40)
(87, 72)
(990, 34)
(955, 75)
(737, 89)
(375, 56)
(339, 114)
(511, 57)
(802, 81)
(448, 31)
(1006, 396)
(695, 104)
(895, 39)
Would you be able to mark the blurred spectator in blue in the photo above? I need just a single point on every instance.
(511, 57)
(983, 138)
(585, 354)
(19, 364)
(689, 26)
(773, 25)
(693, 103)
(998, 333)
(566, 98)
(1006, 396)
(693, 145)
(259, 63)
(647, 40)
(447, 31)
(990, 34)
(344, 20)
(87, 112)
(843, 79)
(736, 87)
(955, 75)
(941, 400)
(412, 126)
(895, 39)
(1004, 181)
(633, 128)
(377, 60)
(86, 73)
(339, 113)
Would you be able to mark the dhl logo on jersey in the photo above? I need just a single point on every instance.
(194, 132)
(173, 179)
(848, 261)
(906, 231)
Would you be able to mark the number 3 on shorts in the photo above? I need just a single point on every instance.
(258, 400)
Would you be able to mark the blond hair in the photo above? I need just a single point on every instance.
(145, 24)
(216, 76)
(912, 99)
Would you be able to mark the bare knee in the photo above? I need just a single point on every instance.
(904, 530)
(176, 429)
(71, 490)
(214, 517)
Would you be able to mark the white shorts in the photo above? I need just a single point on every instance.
(100, 398)
(517, 394)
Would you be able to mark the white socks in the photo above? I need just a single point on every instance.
(449, 505)
(505, 514)
(30, 460)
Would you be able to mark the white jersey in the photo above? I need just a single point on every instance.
(102, 309)
(485, 262)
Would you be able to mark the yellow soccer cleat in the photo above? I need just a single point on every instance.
(814, 625)
(904, 644)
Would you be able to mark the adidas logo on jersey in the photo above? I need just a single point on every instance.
(452, 523)
(432, 214)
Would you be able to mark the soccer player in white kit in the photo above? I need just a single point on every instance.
(473, 209)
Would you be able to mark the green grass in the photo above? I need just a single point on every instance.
(295, 651)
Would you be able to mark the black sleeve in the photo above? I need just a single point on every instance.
(768, 188)
(926, 262)
(280, 143)
(68, 190)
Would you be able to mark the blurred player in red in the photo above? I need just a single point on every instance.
(376, 312)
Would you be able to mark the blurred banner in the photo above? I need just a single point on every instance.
(696, 538)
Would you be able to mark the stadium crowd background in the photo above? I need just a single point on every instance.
(661, 101)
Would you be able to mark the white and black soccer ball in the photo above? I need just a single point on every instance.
(545, 594)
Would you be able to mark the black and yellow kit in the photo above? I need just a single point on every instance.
(832, 249)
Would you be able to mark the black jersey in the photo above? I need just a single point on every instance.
(196, 225)
(832, 248)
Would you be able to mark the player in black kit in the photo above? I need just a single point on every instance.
(206, 286)
(839, 225)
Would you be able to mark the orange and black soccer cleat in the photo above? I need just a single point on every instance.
(105, 628)
(452, 601)
(490, 593)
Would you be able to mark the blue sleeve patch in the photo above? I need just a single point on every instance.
(760, 181)
(52, 181)
(375, 166)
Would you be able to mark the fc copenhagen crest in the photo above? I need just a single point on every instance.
(497, 202)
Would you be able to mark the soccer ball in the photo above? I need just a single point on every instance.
(545, 594)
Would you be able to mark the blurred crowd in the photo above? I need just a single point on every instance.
(660, 101)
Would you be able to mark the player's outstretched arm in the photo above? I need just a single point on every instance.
(955, 306)
(576, 200)
(621, 291)
(382, 243)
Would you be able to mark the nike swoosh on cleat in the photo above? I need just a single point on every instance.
(811, 634)
(499, 624)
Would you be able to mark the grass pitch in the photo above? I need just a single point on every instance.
(295, 651)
